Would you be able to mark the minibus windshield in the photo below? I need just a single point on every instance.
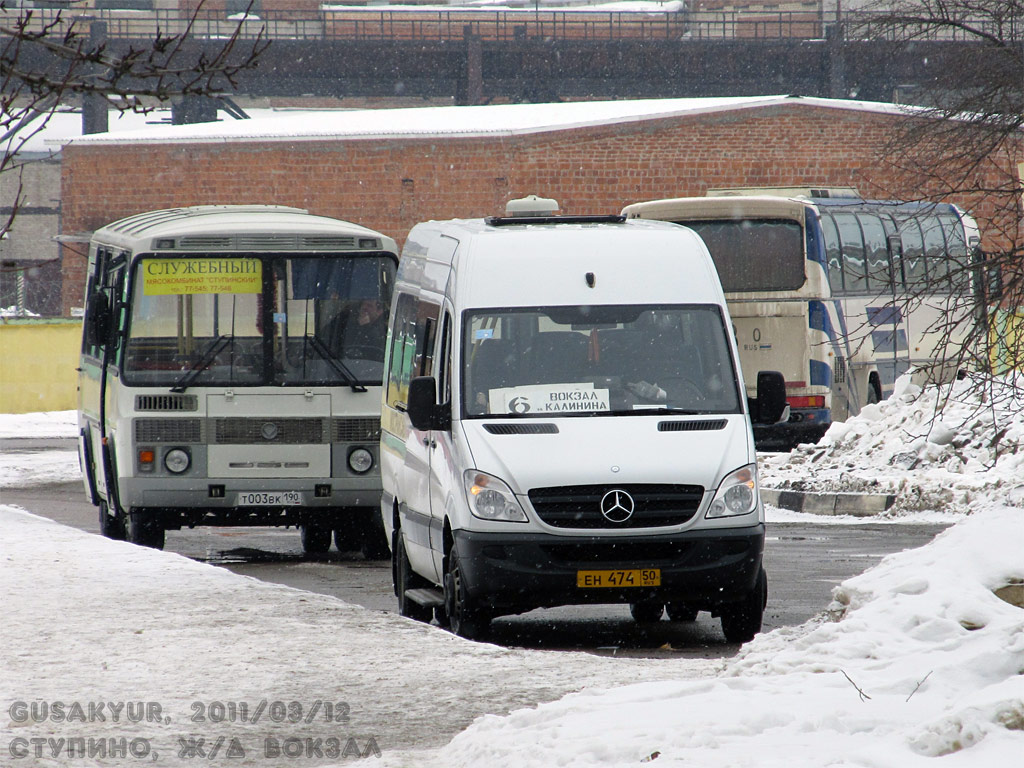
(597, 360)
(249, 320)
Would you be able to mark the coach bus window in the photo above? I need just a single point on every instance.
(935, 252)
(959, 263)
(832, 252)
(913, 253)
(854, 277)
(879, 269)
(761, 255)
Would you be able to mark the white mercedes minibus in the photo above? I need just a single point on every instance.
(564, 422)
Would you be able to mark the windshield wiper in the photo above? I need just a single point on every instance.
(339, 367)
(202, 363)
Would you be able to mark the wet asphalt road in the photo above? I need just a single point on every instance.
(804, 562)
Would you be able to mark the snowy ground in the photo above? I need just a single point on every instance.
(918, 662)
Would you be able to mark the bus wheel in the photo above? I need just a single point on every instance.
(646, 613)
(346, 539)
(315, 539)
(374, 543)
(742, 620)
(874, 390)
(145, 533)
(111, 526)
(406, 579)
(464, 618)
(681, 612)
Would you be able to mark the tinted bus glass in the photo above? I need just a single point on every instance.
(755, 254)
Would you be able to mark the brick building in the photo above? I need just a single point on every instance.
(388, 169)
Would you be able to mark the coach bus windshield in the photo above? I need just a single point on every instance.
(252, 320)
(754, 254)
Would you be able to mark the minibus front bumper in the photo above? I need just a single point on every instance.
(513, 573)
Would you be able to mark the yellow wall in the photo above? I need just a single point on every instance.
(38, 359)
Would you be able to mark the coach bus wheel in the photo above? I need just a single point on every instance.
(874, 390)
(315, 539)
(646, 613)
(111, 526)
(145, 533)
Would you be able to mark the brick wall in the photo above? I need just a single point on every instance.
(389, 185)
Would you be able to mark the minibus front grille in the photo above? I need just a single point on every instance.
(358, 430)
(269, 430)
(704, 425)
(166, 402)
(580, 506)
(168, 431)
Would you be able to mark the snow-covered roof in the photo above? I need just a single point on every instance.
(460, 122)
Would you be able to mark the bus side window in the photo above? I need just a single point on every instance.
(854, 261)
(833, 253)
(913, 253)
(957, 252)
(403, 345)
(879, 270)
(935, 253)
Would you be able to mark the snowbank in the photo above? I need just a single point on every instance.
(940, 448)
(919, 660)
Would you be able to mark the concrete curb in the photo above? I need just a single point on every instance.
(856, 504)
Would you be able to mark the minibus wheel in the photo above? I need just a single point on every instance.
(681, 612)
(406, 579)
(145, 533)
(315, 539)
(742, 620)
(111, 526)
(464, 619)
(646, 612)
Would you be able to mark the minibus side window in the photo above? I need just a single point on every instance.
(412, 352)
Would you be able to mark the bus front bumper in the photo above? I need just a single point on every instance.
(514, 573)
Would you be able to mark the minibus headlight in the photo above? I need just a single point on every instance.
(177, 460)
(737, 495)
(360, 460)
(491, 499)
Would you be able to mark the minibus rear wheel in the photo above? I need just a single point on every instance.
(406, 579)
(464, 619)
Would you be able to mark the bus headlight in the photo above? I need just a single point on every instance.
(177, 460)
(737, 495)
(490, 499)
(360, 460)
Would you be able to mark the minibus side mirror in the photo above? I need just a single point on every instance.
(422, 407)
(97, 320)
(771, 396)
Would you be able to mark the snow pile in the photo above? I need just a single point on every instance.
(921, 660)
(24, 467)
(945, 448)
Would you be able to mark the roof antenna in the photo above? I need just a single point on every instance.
(591, 280)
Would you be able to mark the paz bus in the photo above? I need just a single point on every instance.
(827, 288)
(230, 373)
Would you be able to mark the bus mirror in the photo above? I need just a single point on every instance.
(771, 396)
(97, 320)
(422, 402)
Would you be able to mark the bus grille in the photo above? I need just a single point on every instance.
(705, 425)
(166, 402)
(168, 430)
(260, 431)
(579, 506)
(356, 430)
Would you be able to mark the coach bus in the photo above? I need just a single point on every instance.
(840, 294)
(230, 373)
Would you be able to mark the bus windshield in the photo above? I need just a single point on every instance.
(597, 360)
(754, 254)
(256, 320)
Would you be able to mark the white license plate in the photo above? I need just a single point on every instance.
(269, 499)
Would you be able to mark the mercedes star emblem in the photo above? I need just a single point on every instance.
(617, 506)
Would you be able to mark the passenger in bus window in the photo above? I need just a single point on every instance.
(360, 332)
